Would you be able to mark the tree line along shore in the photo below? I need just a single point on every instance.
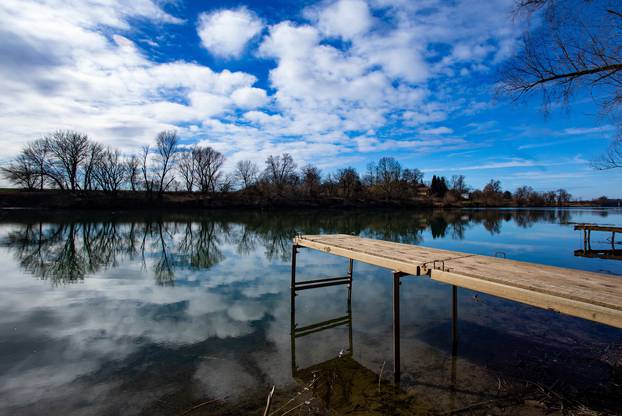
(66, 169)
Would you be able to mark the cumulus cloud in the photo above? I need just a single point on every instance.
(345, 18)
(226, 32)
(249, 97)
(334, 75)
(81, 79)
(323, 89)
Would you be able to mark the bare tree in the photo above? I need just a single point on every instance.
(69, 149)
(246, 172)
(549, 197)
(578, 44)
(225, 183)
(563, 196)
(576, 47)
(29, 169)
(22, 172)
(187, 167)
(492, 192)
(166, 152)
(110, 171)
(38, 155)
(94, 154)
(493, 187)
(412, 177)
(612, 157)
(148, 182)
(280, 170)
(524, 194)
(388, 173)
(348, 181)
(208, 167)
(458, 185)
(132, 167)
(311, 180)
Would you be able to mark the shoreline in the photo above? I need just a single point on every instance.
(11, 199)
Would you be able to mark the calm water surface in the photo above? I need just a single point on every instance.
(189, 313)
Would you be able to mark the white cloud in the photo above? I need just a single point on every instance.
(345, 18)
(78, 65)
(428, 113)
(80, 79)
(323, 89)
(249, 97)
(437, 131)
(588, 130)
(226, 32)
(263, 118)
(518, 163)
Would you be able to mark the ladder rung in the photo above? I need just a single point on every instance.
(311, 284)
(321, 326)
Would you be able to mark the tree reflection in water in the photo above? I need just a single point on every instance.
(67, 251)
(221, 333)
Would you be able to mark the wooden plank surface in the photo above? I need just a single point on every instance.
(588, 295)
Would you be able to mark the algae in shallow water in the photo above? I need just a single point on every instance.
(344, 386)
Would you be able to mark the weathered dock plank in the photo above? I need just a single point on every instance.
(593, 296)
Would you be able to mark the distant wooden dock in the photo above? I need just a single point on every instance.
(592, 296)
(587, 233)
(601, 253)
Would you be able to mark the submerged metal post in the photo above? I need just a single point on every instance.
(454, 314)
(589, 239)
(293, 309)
(396, 327)
(350, 269)
(453, 372)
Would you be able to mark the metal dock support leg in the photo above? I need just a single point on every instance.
(293, 308)
(293, 286)
(589, 239)
(454, 315)
(350, 269)
(396, 327)
(452, 385)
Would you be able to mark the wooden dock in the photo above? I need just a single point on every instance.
(587, 234)
(593, 296)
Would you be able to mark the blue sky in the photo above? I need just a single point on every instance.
(333, 83)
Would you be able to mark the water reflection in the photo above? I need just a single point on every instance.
(175, 310)
(600, 254)
(65, 251)
(341, 384)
